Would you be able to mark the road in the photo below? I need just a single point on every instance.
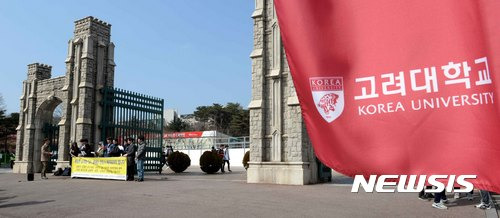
(194, 194)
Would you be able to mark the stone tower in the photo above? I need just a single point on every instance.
(281, 152)
(89, 67)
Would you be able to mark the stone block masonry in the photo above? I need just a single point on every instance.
(89, 67)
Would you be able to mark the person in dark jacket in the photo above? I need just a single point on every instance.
(85, 148)
(220, 152)
(141, 156)
(113, 149)
(130, 154)
(109, 146)
(74, 151)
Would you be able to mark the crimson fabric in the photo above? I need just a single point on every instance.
(349, 48)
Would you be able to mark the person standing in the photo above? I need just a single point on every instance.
(109, 146)
(425, 196)
(163, 160)
(439, 200)
(121, 147)
(485, 200)
(74, 151)
(45, 157)
(114, 149)
(220, 153)
(85, 148)
(170, 150)
(130, 154)
(225, 159)
(102, 150)
(141, 155)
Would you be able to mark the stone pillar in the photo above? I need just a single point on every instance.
(86, 91)
(110, 73)
(27, 129)
(280, 151)
(94, 52)
(66, 119)
(64, 136)
(74, 81)
(256, 106)
(100, 83)
(21, 126)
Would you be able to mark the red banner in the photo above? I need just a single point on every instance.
(398, 87)
(174, 135)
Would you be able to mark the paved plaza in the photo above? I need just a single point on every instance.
(194, 194)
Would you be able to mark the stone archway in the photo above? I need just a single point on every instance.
(89, 67)
(43, 116)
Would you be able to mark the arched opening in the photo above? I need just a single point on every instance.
(47, 118)
(57, 115)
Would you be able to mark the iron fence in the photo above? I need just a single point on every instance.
(130, 114)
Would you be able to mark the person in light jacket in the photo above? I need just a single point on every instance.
(140, 157)
(45, 157)
(225, 159)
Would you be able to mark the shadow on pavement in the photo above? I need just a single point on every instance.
(463, 201)
(4, 199)
(25, 203)
(190, 173)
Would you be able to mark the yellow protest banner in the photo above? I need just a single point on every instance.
(99, 168)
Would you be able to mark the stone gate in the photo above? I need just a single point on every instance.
(280, 149)
(89, 67)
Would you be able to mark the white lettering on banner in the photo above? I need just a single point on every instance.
(401, 84)
(380, 108)
(364, 94)
(426, 79)
(403, 183)
(456, 73)
(453, 101)
(430, 80)
(484, 75)
(429, 103)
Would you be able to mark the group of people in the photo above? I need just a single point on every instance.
(111, 149)
(223, 152)
(135, 153)
(440, 199)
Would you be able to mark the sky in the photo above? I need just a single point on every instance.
(189, 52)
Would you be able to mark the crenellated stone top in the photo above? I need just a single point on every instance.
(90, 26)
(39, 65)
(91, 19)
(39, 71)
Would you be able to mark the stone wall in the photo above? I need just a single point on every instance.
(280, 151)
(89, 67)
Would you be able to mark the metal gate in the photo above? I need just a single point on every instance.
(129, 114)
(51, 132)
